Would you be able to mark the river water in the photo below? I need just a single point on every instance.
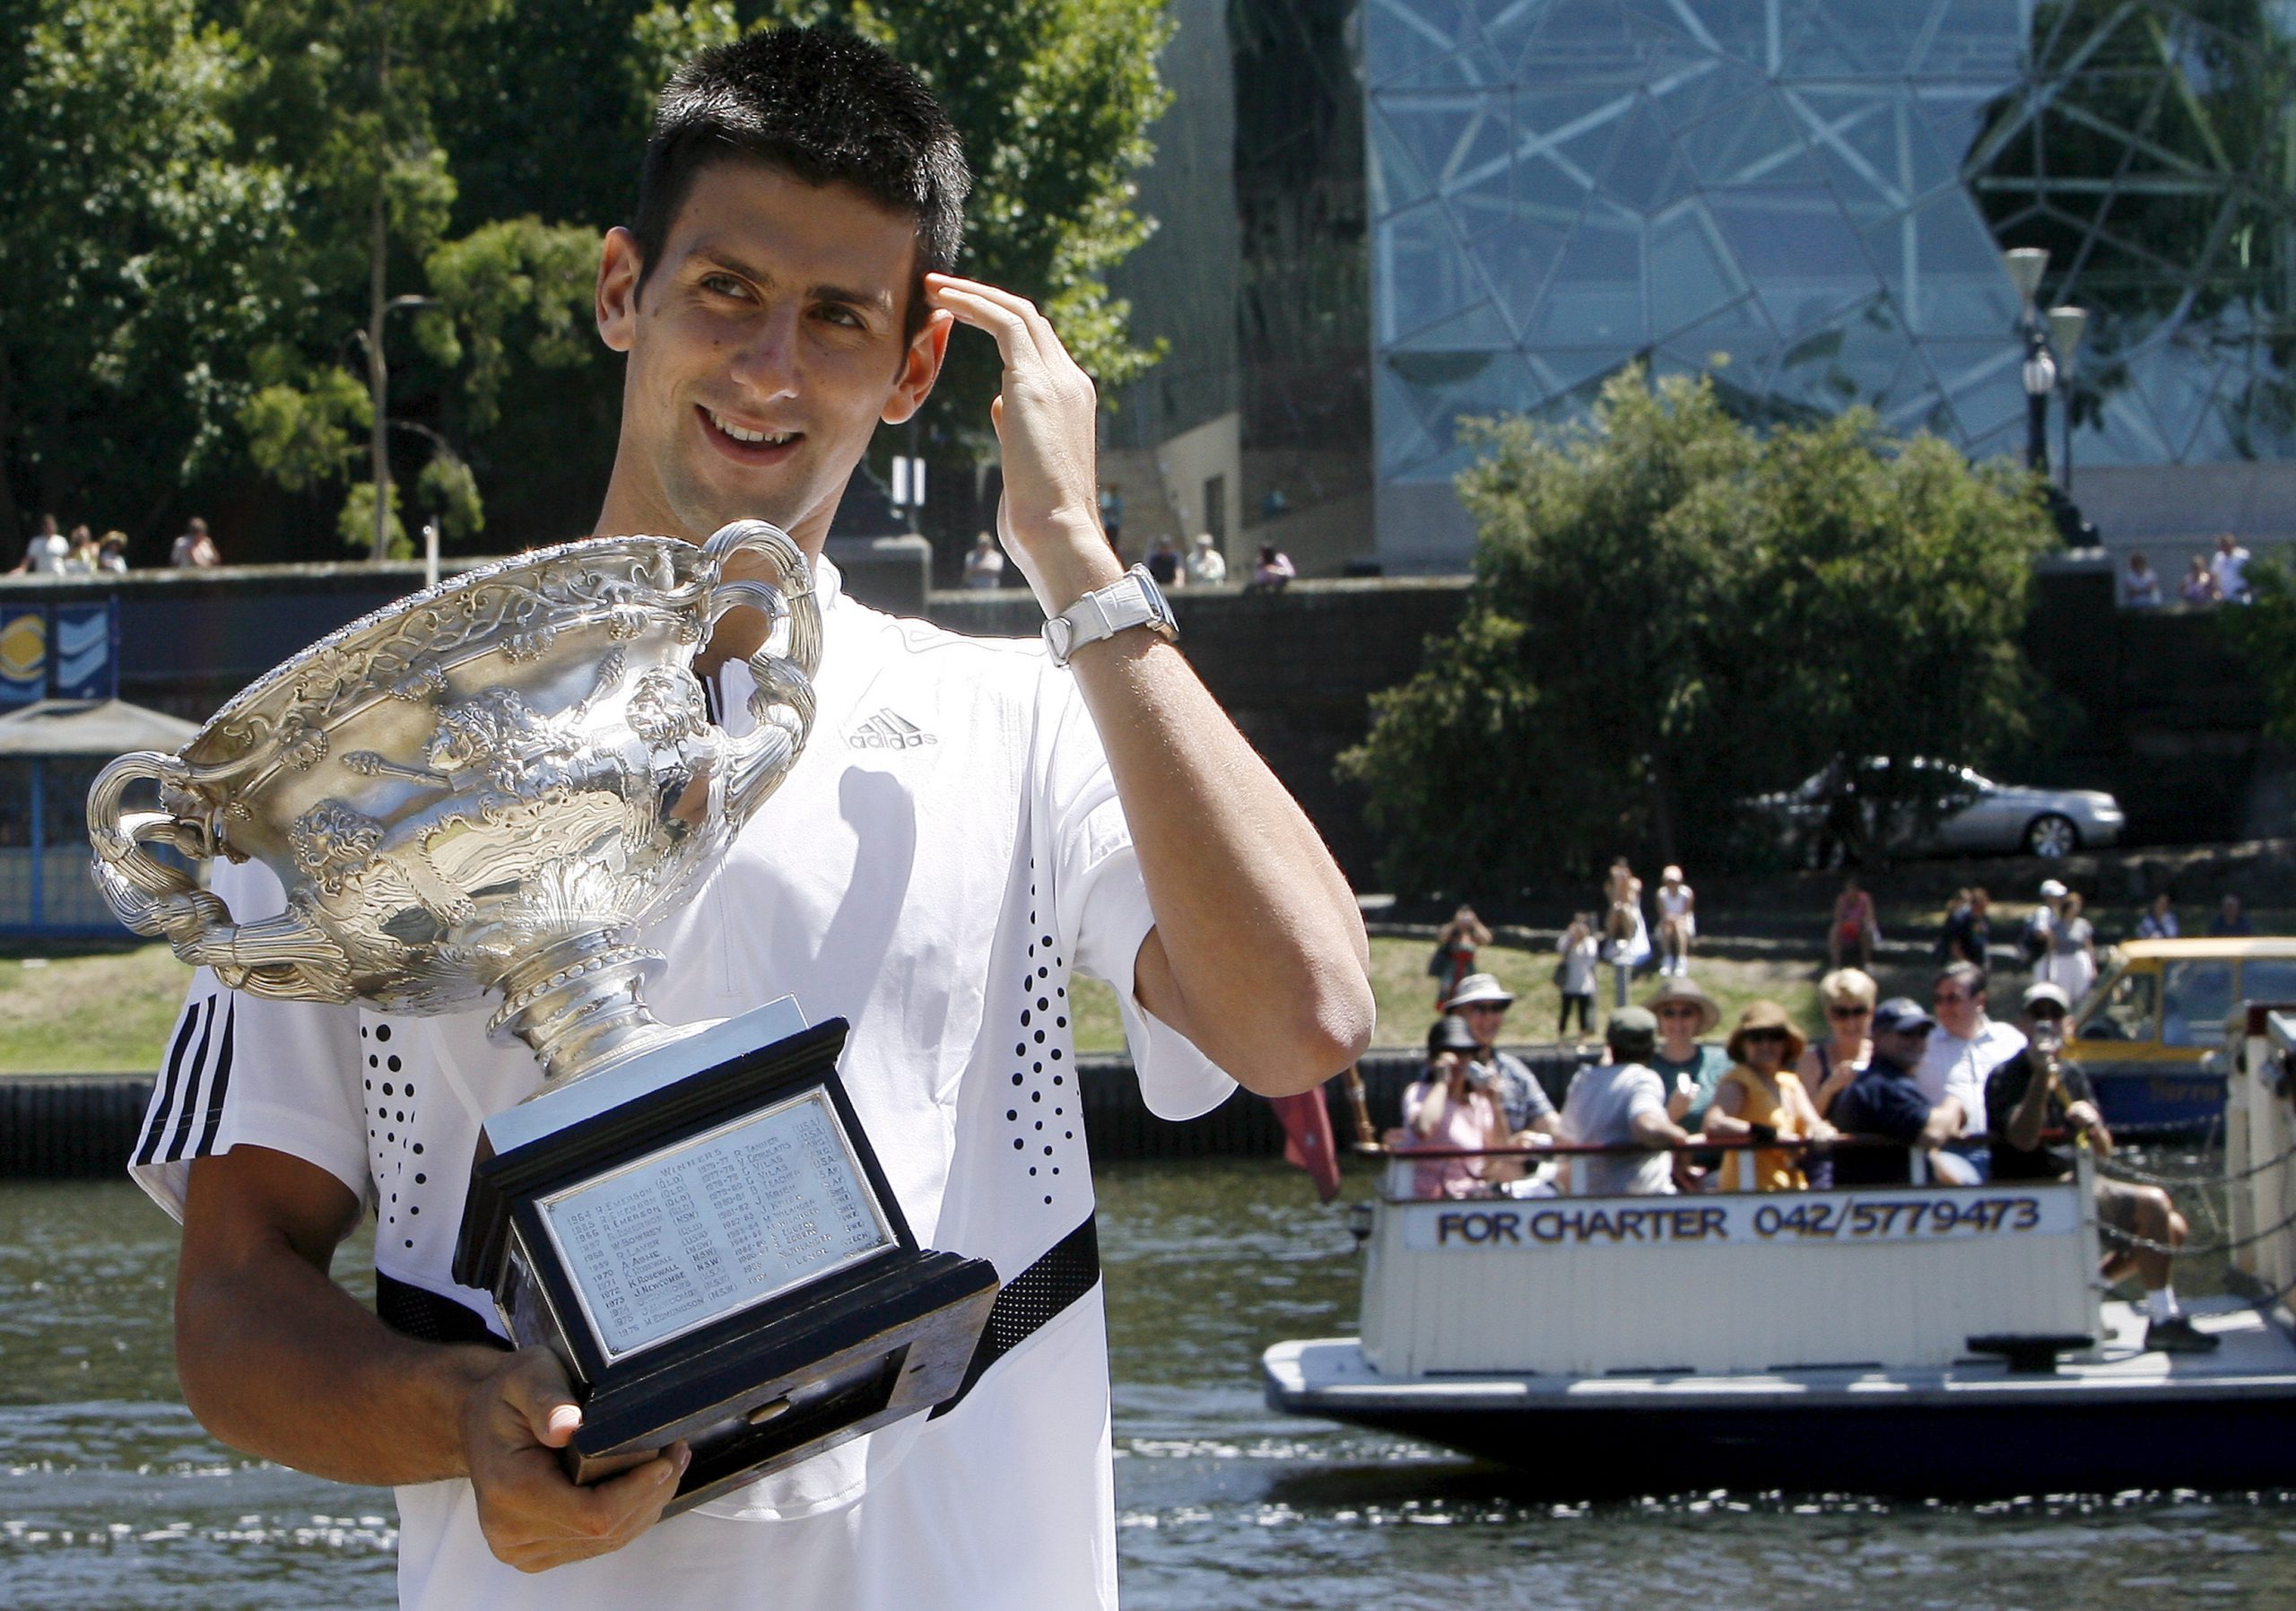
(111, 1497)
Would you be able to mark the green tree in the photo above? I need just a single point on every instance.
(2264, 634)
(1053, 99)
(1671, 612)
(139, 253)
(351, 94)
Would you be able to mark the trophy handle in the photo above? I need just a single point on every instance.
(286, 958)
(783, 705)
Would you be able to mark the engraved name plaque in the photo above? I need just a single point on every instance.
(704, 1229)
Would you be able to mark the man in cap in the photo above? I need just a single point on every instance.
(1622, 1103)
(1480, 1004)
(2139, 1223)
(1884, 1103)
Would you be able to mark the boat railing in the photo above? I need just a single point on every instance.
(1398, 1184)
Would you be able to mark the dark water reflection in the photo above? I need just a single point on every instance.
(110, 1496)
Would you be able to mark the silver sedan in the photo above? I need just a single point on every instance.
(1967, 812)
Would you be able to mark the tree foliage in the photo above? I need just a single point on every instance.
(2264, 634)
(194, 188)
(1671, 613)
(139, 248)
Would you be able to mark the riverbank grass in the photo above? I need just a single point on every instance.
(111, 1012)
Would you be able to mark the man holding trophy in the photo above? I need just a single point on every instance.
(748, 1264)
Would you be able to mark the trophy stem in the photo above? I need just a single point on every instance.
(579, 1005)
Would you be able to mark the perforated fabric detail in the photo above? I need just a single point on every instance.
(1033, 1299)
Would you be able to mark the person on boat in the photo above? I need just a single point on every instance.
(1451, 1109)
(2138, 1222)
(1622, 1103)
(1827, 1067)
(1677, 922)
(1762, 1099)
(1885, 1103)
(1966, 1047)
(1691, 1067)
(1691, 1070)
(1482, 1004)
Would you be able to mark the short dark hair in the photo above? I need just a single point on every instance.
(830, 108)
(1966, 974)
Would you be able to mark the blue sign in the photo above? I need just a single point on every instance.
(58, 651)
(84, 651)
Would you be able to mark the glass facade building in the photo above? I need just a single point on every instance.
(1808, 200)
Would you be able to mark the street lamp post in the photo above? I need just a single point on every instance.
(2066, 326)
(2026, 265)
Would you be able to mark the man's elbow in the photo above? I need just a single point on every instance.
(1322, 1038)
(213, 1377)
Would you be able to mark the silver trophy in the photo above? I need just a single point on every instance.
(485, 791)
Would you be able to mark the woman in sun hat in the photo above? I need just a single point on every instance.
(1762, 1099)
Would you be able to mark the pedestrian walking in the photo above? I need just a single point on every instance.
(1207, 566)
(2229, 569)
(2231, 920)
(1165, 565)
(1968, 933)
(1273, 571)
(1855, 931)
(194, 550)
(2160, 919)
(2199, 586)
(984, 564)
(1456, 943)
(1574, 975)
(2071, 964)
(45, 554)
(1677, 923)
(2140, 585)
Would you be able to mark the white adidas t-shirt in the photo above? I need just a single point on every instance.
(948, 850)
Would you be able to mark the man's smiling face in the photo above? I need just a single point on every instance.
(765, 346)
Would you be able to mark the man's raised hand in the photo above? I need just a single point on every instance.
(1045, 425)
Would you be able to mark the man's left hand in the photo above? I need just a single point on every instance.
(1047, 419)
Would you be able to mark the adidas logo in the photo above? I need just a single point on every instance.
(886, 731)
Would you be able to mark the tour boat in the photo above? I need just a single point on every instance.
(1931, 1340)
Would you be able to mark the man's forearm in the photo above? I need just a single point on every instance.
(280, 1362)
(1258, 954)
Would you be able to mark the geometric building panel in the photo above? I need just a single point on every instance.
(1814, 195)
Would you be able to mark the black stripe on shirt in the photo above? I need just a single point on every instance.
(191, 1091)
(156, 1124)
(220, 1083)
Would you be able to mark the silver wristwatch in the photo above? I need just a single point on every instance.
(1133, 600)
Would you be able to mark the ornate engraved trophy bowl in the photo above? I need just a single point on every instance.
(486, 788)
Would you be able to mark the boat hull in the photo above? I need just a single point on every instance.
(2121, 1419)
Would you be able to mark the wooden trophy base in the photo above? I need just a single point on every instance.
(720, 1259)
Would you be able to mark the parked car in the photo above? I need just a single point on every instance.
(1947, 810)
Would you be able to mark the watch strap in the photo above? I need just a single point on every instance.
(1132, 600)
